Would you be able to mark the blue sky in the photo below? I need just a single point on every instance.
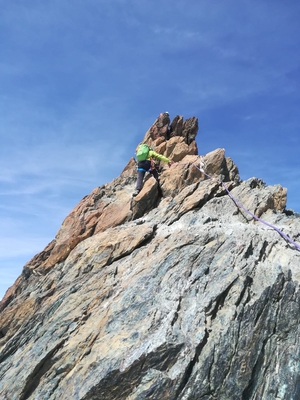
(82, 81)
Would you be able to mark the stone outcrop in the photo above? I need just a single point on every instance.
(162, 130)
(177, 293)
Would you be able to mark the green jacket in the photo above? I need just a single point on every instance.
(153, 154)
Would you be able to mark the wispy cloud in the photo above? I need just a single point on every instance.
(82, 82)
(20, 246)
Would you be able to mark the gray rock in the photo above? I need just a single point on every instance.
(187, 296)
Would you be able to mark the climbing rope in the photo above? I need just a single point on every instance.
(286, 237)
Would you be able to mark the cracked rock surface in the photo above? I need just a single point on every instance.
(177, 294)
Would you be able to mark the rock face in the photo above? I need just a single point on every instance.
(173, 294)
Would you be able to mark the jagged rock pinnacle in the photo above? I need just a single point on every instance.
(173, 294)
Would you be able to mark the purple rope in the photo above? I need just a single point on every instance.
(249, 212)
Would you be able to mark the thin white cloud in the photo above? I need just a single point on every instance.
(20, 246)
(76, 94)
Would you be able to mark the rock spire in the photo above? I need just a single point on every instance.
(175, 294)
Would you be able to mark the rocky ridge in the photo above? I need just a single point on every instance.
(173, 294)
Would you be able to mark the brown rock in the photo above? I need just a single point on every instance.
(190, 129)
(280, 198)
(161, 132)
(109, 245)
(217, 165)
(113, 215)
(146, 199)
(173, 297)
(176, 148)
(159, 129)
(176, 126)
(16, 315)
(180, 175)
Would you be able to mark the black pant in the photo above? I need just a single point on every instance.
(143, 167)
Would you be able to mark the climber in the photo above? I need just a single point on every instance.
(146, 163)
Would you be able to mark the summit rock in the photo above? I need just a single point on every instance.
(188, 292)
